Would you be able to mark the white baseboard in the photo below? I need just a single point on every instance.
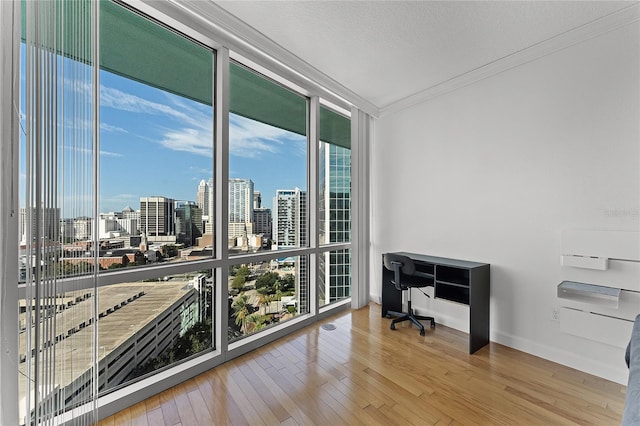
(616, 371)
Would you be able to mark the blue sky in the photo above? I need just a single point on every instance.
(156, 143)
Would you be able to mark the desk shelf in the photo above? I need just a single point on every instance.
(453, 275)
(452, 292)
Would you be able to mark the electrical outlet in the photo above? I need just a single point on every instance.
(555, 314)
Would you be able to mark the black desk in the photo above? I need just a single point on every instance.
(455, 280)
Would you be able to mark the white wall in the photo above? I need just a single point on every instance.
(493, 172)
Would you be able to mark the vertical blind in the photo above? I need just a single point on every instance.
(60, 160)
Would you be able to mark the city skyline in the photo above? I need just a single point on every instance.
(174, 136)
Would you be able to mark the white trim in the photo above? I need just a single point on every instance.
(313, 200)
(9, 137)
(360, 225)
(221, 206)
(561, 41)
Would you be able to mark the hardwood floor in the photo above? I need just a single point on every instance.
(364, 373)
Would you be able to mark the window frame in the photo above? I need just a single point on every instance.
(226, 48)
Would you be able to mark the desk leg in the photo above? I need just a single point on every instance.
(391, 297)
(479, 310)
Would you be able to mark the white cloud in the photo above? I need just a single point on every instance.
(110, 154)
(189, 140)
(114, 129)
(248, 138)
(251, 139)
(117, 99)
(200, 170)
(89, 151)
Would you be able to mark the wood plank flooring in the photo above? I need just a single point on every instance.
(363, 373)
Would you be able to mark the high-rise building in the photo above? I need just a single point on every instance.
(262, 221)
(115, 224)
(290, 230)
(205, 199)
(257, 199)
(240, 207)
(83, 228)
(334, 210)
(130, 220)
(66, 230)
(290, 218)
(157, 216)
(188, 222)
(49, 219)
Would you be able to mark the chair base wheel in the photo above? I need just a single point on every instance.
(393, 326)
(422, 333)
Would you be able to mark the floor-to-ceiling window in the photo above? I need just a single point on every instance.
(334, 208)
(109, 218)
(156, 150)
(268, 209)
(121, 214)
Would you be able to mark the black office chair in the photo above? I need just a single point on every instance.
(403, 269)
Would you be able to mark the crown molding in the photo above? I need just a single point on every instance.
(618, 19)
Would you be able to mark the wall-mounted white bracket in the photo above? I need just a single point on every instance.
(590, 293)
(587, 262)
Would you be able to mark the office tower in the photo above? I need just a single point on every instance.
(290, 218)
(262, 221)
(257, 200)
(49, 220)
(188, 222)
(156, 216)
(202, 197)
(240, 207)
(66, 230)
(115, 224)
(334, 212)
(83, 228)
(205, 199)
(130, 221)
(290, 230)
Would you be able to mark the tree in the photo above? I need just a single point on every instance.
(244, 271)
(64, 268)
(266, 283)
(265, 300)
(169, 250)
(238, 282)
(255, 322)
(242, 309)
(287, 283)
(82, 268)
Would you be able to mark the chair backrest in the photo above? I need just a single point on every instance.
(398, 263)
(407, 266)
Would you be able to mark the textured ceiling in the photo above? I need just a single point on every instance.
(385, 51)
